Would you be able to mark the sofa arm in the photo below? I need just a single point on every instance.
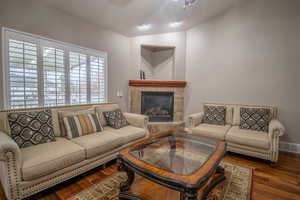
(7, 144)
(194, 120)
(10, 169)
(276, 129)
(137, 120)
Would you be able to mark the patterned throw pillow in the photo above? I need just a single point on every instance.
(84, 124)
(31, 128)
(214, 115)
(257, 119)
(115, 119)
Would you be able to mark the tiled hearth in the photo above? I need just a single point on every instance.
(137, 87)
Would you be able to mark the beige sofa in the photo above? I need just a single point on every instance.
(253, 143)
(26, 171)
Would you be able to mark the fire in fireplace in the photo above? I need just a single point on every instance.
(159, 106)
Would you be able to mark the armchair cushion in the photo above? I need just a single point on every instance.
(214, 115)
(211, 131)
(249, 138)
(256, 119)
(43, 159)
(237, 114)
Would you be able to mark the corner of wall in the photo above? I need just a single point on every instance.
(1, 70)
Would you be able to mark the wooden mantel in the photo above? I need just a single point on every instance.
(157, 83)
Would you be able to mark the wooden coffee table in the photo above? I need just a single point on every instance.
(178, 161)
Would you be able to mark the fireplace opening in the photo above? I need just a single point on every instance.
(159, 106)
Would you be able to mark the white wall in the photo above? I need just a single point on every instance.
(250, 55)
(29, 16)
(177, 40)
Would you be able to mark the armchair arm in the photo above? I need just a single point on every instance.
(194, 120)
(137, 120)
(10, 170)
(276, 129)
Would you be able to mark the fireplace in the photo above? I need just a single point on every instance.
(159, 106)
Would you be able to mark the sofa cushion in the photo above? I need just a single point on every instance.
(248, 138)
(128, 133)
(44, 159)
(256, 119)
(79, 125)
(115, 119)
(211, 131)
(214, 115)
(31, 128)
(69, 112)
(229, 111)
(104, 108)
(98, 143)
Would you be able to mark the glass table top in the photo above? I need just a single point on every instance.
(179, 154)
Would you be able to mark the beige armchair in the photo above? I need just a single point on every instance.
(259, 144)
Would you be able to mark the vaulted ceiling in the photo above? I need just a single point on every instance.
(124, 16)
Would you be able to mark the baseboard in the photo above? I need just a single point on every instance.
(289, 147)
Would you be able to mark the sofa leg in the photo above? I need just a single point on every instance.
(273, 164)
(103, 166)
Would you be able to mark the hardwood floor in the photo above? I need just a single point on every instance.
(280, 182)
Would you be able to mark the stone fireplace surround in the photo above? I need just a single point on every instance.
(136, 87)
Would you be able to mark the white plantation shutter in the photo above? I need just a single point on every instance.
(43, 72)
(97, 71)
(22, 59)
(54, 76)
(78, 78)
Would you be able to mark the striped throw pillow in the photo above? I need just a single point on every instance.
(84, 124)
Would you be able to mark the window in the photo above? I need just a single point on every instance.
(43, 72)
(97, 79)
(78, 78)
(23, 74)
(54, 76)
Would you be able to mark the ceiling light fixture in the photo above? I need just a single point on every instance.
(187, 3)
(144, 27)
(175, 24)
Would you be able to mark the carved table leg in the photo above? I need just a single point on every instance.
(126, 196)
(125, 186)
(221, 177)
(189, 195)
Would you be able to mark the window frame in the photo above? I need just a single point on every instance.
(42, 42)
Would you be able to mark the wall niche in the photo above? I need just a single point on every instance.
(157, 62)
